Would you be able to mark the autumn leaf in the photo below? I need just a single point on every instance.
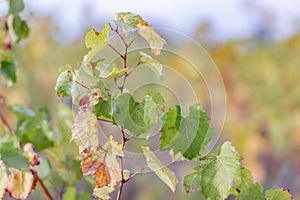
(129, 21)
(85, 132)
(31, 154)
(20, 183)
(3, 179)
(96, 41)
(102, 163)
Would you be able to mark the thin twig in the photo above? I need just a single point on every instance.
(104, 120)
(208, 157)
(128, 138)
(121, 37)
(115, 50)
(40, 182)
(136, 173)
(5, 123)
(132, 69)
(121, 165)
(82, 85)
(124, 139)
(130, 43)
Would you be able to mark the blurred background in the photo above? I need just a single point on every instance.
(255, 45)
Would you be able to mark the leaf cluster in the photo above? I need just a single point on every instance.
(217, 175)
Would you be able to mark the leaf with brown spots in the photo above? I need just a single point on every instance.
(102, 164)
(85, 132)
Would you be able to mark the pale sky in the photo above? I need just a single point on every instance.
(230, 19)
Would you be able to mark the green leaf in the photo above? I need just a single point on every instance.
(84, 89)
(156, 96)
(20, 28)
(103, 193)
(15, 6)
(96, 41)
(243, 180)
(103, 109)
(138, 118)
(83, 195)
(64, 81)
(43, 169)
(21, 111)
(278, 194)
(8, 69)
(85, 131)
(170, 127)
(215, 176)
(188, 135)
(70, 194)
(164, 173)
(151, 62)
(13, 157)
(252, 192)
(152, 111)
(36, 130)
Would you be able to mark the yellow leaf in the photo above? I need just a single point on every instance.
(96, 41)
(151, 36)
(20, 183)
(3, 179)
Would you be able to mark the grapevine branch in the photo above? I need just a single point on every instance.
(121, 165)
(41, 183)
(104, 120)
(6, 125)
(137, 172)
(121, 87)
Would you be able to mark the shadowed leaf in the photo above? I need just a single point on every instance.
(163, 172)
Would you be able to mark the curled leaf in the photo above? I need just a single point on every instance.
(154, 64)
(3, 179)
(64, 81)
(85, 132)
(151, 36)
(31, 154)
(20, 183)
(103, 165)
(129, 21)
(96, 41)
(163, 172)
(103, 193)
(115, 73)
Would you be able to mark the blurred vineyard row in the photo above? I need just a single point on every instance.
(262, 82)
